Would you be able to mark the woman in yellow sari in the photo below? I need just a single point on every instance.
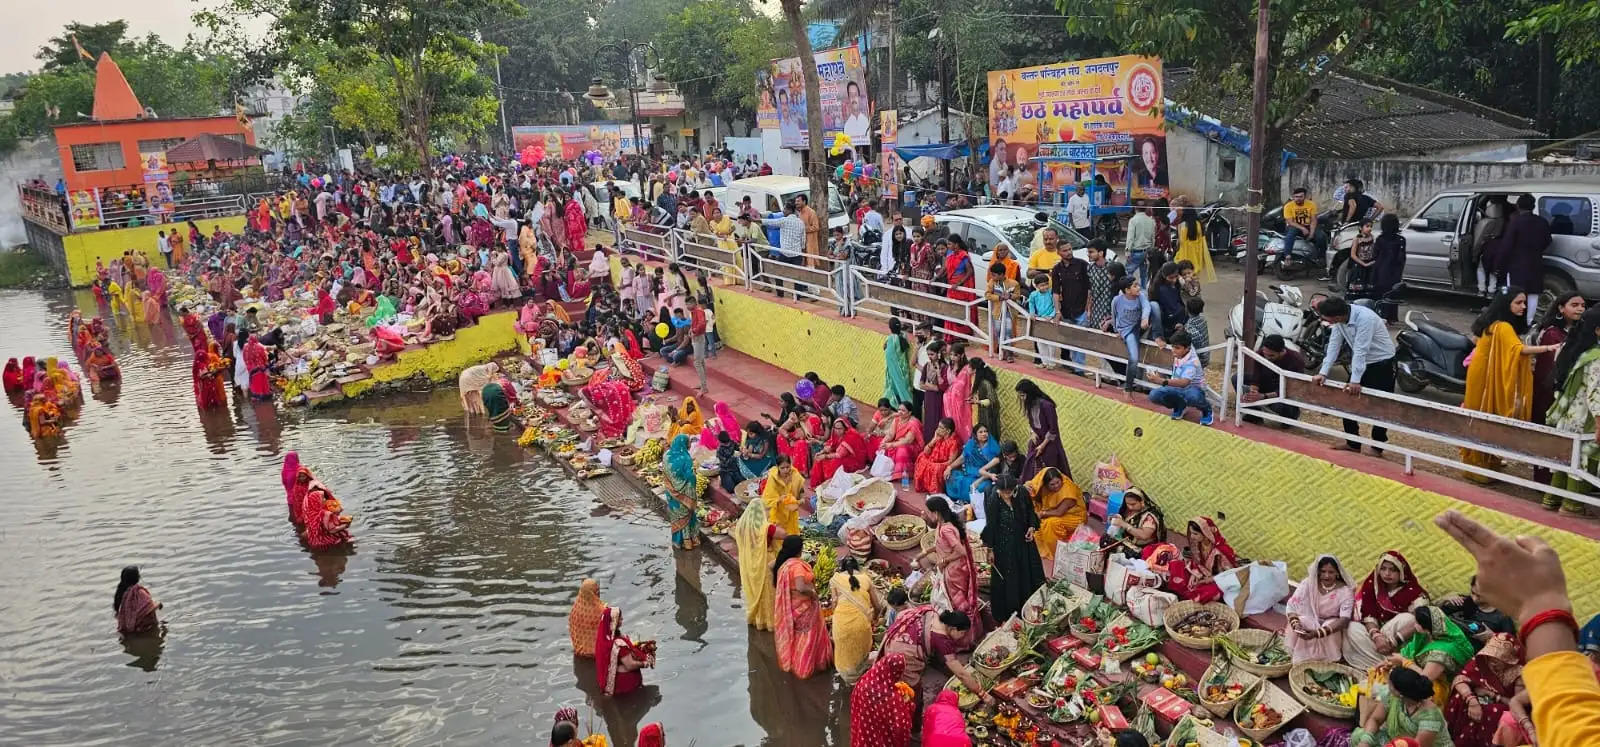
(66, 385)
(856, 609)
(1500, 376)
(722, 227)
(689, 420)
(782, 494)
(135, 304)
(1059, 504)
(115, 299)
(757, 539)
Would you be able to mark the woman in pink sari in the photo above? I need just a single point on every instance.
(804, 647)
(575, 223)
(1319, 611)
(617, 660)
(904, 442)
(135, 608)
(255, 361)
(157, 282)
(724, 422)
(956, 404)
(612, 401)
(951, 556)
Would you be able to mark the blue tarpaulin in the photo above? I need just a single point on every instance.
(941, 151)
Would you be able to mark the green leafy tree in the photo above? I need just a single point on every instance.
(1573, 24)
(548, 60)
(1308, 43)
(59, 52)
(409, 39)
(715, 48)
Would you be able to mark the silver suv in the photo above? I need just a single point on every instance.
(1439, 233)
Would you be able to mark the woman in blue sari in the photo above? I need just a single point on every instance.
(683, 494)
(964, 480)
(758, 451)
(896, 366)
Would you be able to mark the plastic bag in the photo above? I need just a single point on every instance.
(1109, 477)
(1079, 556)
(1123, 574)
(882, 466)
(1149, 605)
(1298, 738)
(1255, 588)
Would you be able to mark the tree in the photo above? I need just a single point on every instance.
(1574, 26)
(816, 159)
(726, 36)
(59, 52)
(407, 38)
(1309, 42)
(549, 56)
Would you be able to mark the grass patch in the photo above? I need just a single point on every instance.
(25, 268)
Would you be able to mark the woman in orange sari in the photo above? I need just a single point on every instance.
(44, 417)
(1060, 507)
(583, 622)
(804, 647)
(937, 459)
(1500, 376)
(326, 525)
(903, 443)
(209, 372)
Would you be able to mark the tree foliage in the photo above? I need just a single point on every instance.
(60, 53)
(1574, 24)
(715, 48)
(549, 58)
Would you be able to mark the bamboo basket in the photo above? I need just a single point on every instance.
(901, 520)
(1235, 676)
(1275, 699)
(871, 497)
(1182, 608)
(1299, 676)
(996, 638)
(1125, 620)
(747, 490)
(1256, 639)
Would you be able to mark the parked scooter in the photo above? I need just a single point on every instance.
(1429, 353)
(1285, 316)
(1217, 226)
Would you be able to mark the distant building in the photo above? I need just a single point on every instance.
(269, 104)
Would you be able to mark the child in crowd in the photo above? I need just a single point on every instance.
(898, 601)
(1199, 331)
(1042, 304)
(1185, 388)
(1188, 282)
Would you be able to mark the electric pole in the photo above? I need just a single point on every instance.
(1258, 165)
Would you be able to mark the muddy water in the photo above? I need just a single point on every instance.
(447, 621)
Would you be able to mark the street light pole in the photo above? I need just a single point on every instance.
(617, 57)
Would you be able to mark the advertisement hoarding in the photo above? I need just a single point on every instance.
(1111, 107)
(842, 75)
(572, 141)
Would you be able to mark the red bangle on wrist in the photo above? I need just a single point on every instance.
(1548, 616)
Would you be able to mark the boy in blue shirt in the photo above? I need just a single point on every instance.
(1185, 388)
(1042, 304)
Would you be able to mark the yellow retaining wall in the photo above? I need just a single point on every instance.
(82, 249)
(444, 361)
(1280, 504)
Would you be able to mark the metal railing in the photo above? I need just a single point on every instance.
(127, 205)
(1433, 433)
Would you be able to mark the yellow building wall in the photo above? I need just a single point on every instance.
(444, 361)
(82, 249)
(1280, 504)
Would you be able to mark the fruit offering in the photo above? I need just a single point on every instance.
(1202, 624)
(1223, 693)
(1261, 716)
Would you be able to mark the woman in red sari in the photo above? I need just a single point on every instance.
(617, 660)
(903, 442)
(881, 707)
(627, 370)
(1191, 579)
(209, 372)
(611, 400)
(951, 556)
(958, 273)
(804, 647)
(1390, 591)
(846, 450)
(326, 524)
(13, 377)
(937, 459)
(1488, 703)
(793, 442)
(575, 224)
(255, 362)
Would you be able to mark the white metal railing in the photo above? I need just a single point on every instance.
(706, 252)
(808, 276)
(650, 242)
(887, 297)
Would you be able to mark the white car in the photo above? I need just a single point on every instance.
(985, 227)
(769, 193)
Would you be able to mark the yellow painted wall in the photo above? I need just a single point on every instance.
(444, 361)
(82, 249)
(1280, 504)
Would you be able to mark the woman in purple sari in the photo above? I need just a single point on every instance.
(1044, 448)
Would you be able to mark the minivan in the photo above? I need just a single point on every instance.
(769, 193)
(1439, 233)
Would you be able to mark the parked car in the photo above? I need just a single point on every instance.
(1438, 233)
(985, 227)
(769, 193)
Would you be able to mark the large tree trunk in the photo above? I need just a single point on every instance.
(817, 161)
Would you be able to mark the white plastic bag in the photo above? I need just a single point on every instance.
(1255, 588)
(882, 466)
(1149, 605)
(1123, 574)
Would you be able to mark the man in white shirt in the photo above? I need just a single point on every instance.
(872, 220)
(1006, 190)
(791, 246)
(856, 122)
(1078, 208)
(1371, 357)
(165, 246)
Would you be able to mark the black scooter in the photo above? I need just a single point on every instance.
(1429, 353)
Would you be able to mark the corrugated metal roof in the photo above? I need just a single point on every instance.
(1372, 117)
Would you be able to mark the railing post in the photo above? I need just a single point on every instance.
(1238, 410)
(1227, 378)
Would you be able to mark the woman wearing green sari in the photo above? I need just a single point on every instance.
(683, 494)
(758, 540)
(896, 366)
(1437, 646)
(1577, 382)
(1402, 708)
(384, 311)
(497, 405)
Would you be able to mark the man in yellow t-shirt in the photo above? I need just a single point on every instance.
(1299, 217)
(1040, 257)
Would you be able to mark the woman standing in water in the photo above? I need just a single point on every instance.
(135, 608)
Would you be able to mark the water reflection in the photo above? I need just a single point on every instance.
(446, 622)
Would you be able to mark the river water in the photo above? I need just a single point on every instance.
(447, 621)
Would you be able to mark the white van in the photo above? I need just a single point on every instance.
(769, 193)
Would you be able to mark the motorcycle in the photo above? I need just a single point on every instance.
(1216, 225)
(1427, 352)
(1285, 316)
